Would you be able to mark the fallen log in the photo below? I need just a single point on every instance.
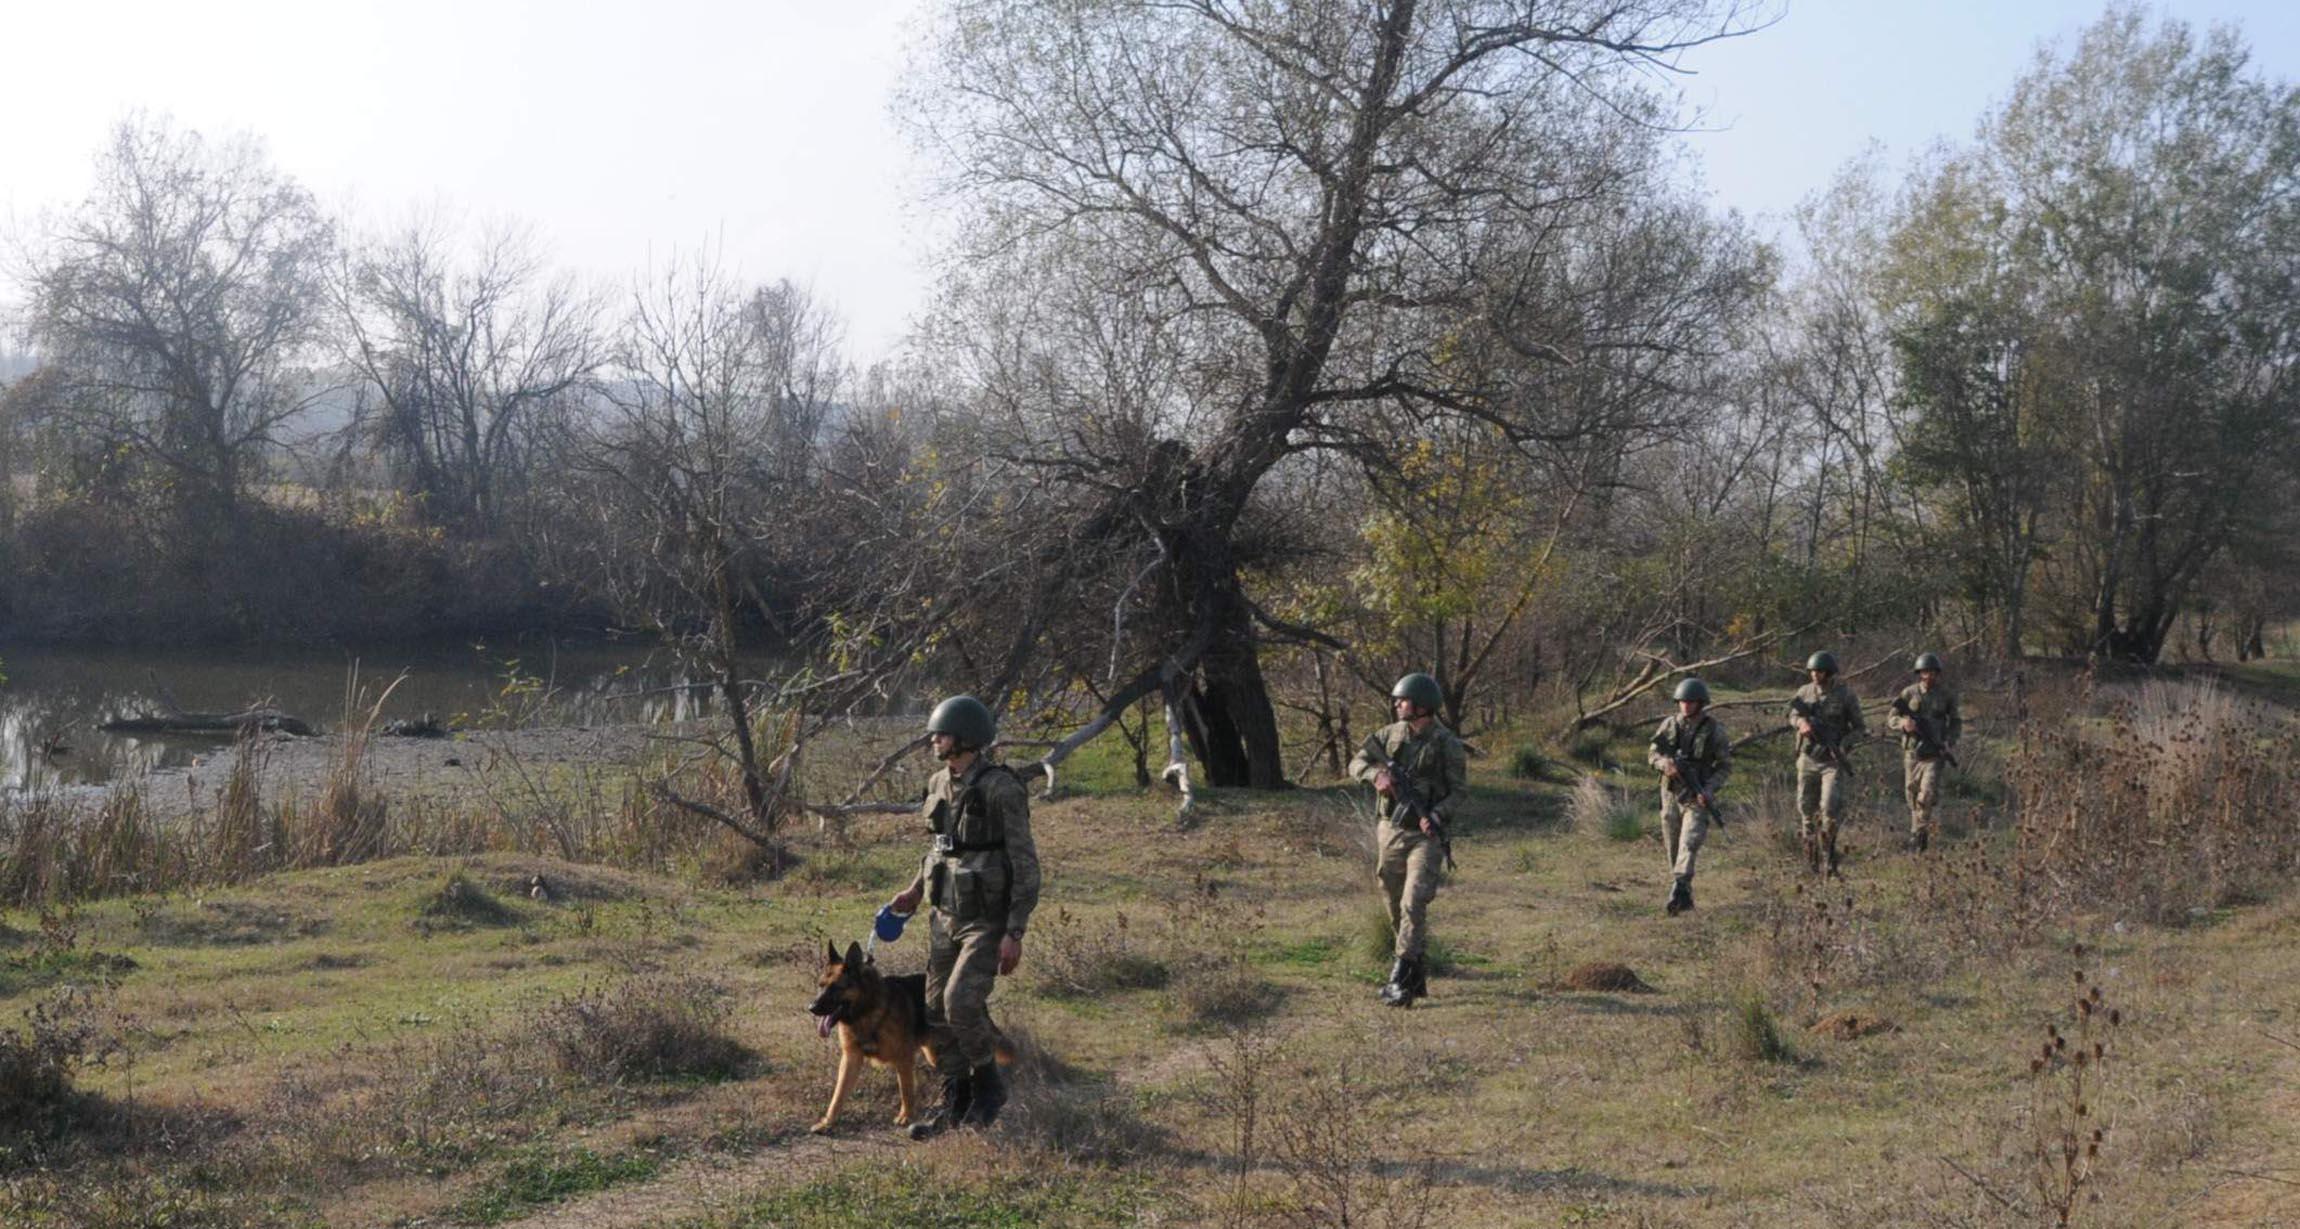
(267, 720)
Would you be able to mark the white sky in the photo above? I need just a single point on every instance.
(624, 131)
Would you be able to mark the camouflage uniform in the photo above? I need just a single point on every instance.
(1409, 862)
(1920, 774)
(1701, 741)
(1821, 782)
(982, 879)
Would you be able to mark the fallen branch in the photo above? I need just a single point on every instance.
(267, 720)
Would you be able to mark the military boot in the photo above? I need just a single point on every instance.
(989, 1097)
(1812, 853)
(957, 1099)
(1920, 840)
(1413, 983)
(1394, 990)
(1829, 851)
(1680, 896)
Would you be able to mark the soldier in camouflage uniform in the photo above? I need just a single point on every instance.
(982, 879)
(1921, 760)
(1410, 859)
(1694, 755)
(1823, 770)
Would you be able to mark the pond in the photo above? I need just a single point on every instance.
(53, 700)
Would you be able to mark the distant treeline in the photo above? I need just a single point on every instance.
(1273, 361)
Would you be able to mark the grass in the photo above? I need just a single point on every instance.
(538, 1178)
(372, 1070)
(917, 1199)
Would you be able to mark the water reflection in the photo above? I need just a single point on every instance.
(54, 699)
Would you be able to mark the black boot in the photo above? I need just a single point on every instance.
(1920, 840)
(1812, 853)
(1829, 852)
(989, 1097)
(1418, 980)
(957, 1099)
(1407, 983)
(1394, 990)
(1680, 896)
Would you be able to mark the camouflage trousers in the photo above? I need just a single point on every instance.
(961, 967)
(1923, 785)
(1407, 868)
(1820, 797)
(1687, 829)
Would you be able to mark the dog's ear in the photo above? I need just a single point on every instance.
(830, 952)
(854, 954)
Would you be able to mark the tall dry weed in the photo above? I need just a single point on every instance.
(2179, 802)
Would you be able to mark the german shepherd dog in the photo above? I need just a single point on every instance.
(880, 1020)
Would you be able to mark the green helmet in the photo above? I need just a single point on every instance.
(1928, 661)
(966, 719)
(1693, 689)
(1421, 689)
(1823, 660)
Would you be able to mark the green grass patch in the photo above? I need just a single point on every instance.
(1625, 822)
(1305, 953)
(916, 1199)
(539, 1178)
(45, 967)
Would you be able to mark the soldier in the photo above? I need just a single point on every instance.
(982, 879)
(1693, 754)
(1930, 725)
(1827, 717)
(1408, 863)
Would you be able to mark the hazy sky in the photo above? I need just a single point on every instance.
(624, 132)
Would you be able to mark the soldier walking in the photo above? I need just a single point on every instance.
(1436, 766)
(1693, 755)
(1827, 717)
(1930, 724)
(981, 876)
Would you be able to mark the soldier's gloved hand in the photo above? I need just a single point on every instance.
(1009, 954)
(1383, 785)
(1669, 769)
(905, 901)
(1428, 828)
(1804, 727)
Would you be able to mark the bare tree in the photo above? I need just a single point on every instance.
(463, 353)
(181, 302)
(1320, 207)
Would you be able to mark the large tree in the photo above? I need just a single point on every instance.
(1455, 205)
(181, 303)
(2117, 288)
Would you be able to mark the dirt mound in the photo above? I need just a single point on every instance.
(1609, 978)
(1851, 1026)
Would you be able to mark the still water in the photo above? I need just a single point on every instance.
(53, 699)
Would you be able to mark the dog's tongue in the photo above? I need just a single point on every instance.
(823, 1026)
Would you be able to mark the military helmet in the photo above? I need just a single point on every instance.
(1928, 661)
(966, 719)
(1421, 689)
(1692, 689)
(1823, 660)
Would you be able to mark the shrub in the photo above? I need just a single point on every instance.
(652, 1027)
(38, 1063)
(1075, 962)
(1756, 1035)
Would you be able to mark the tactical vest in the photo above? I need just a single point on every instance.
(967, 873)
(1424, 765)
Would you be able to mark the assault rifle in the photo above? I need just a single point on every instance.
(1407, 795)
(1831, 748)
(1690, 789)
(1929, 743)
